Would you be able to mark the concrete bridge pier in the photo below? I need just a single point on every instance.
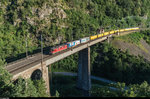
(118, 33)
(83, 75)
(45, 77)
(109, 38)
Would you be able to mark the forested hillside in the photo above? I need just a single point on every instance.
(59, 21)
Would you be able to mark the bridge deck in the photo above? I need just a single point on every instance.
(25, 64)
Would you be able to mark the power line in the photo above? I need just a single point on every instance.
(26, 47)
(41, 49)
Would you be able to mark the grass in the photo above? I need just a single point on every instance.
(143, 48)
(131, 38)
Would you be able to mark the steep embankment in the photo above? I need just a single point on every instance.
(142, 48)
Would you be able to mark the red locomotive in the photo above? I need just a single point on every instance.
(58, 48)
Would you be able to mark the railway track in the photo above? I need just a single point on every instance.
(20, 60)
(33, 60)
(19, 65)
(22, 63)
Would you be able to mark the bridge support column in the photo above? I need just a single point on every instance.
(118, 33)
(109, 38)
(84, 80)
(46, 77)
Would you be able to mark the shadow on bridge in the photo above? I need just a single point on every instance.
(30, 53)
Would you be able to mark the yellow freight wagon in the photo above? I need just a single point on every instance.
(136, 28)
(128, 29)
(101, 35)
(132, 28)
(116, 31)
(106, 33)
(121, 30)
(93, 37)
(111, 32)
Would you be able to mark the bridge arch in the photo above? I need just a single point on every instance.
(36, 75)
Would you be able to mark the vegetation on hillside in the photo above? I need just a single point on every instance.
(133, 90)
(109, 62)
(114, 62)
(21, 87)
(63, 84)
(61, 21)
(136, 37)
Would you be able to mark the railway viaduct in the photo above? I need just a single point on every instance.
(34, 67)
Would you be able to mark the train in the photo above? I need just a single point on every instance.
(67, 45)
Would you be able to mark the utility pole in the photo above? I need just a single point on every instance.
(50, 76)
(41, 50)
(26, 47)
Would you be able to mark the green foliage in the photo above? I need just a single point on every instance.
(133, 38)
(41, 89)
(103, 92)
(28, 88)
(111, 90)
(24, 89)
(61, 86)
(57, 94)
(133, 90)
(83, 19)
(114, 62)
(19, 18)
(146, 36)
(69, 63)
(5, 81)
(5, 76)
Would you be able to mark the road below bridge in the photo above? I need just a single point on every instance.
(92, 77)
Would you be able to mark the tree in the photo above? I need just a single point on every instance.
(41, 89)
(57, 94)
(25, 88)
(6, 85)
